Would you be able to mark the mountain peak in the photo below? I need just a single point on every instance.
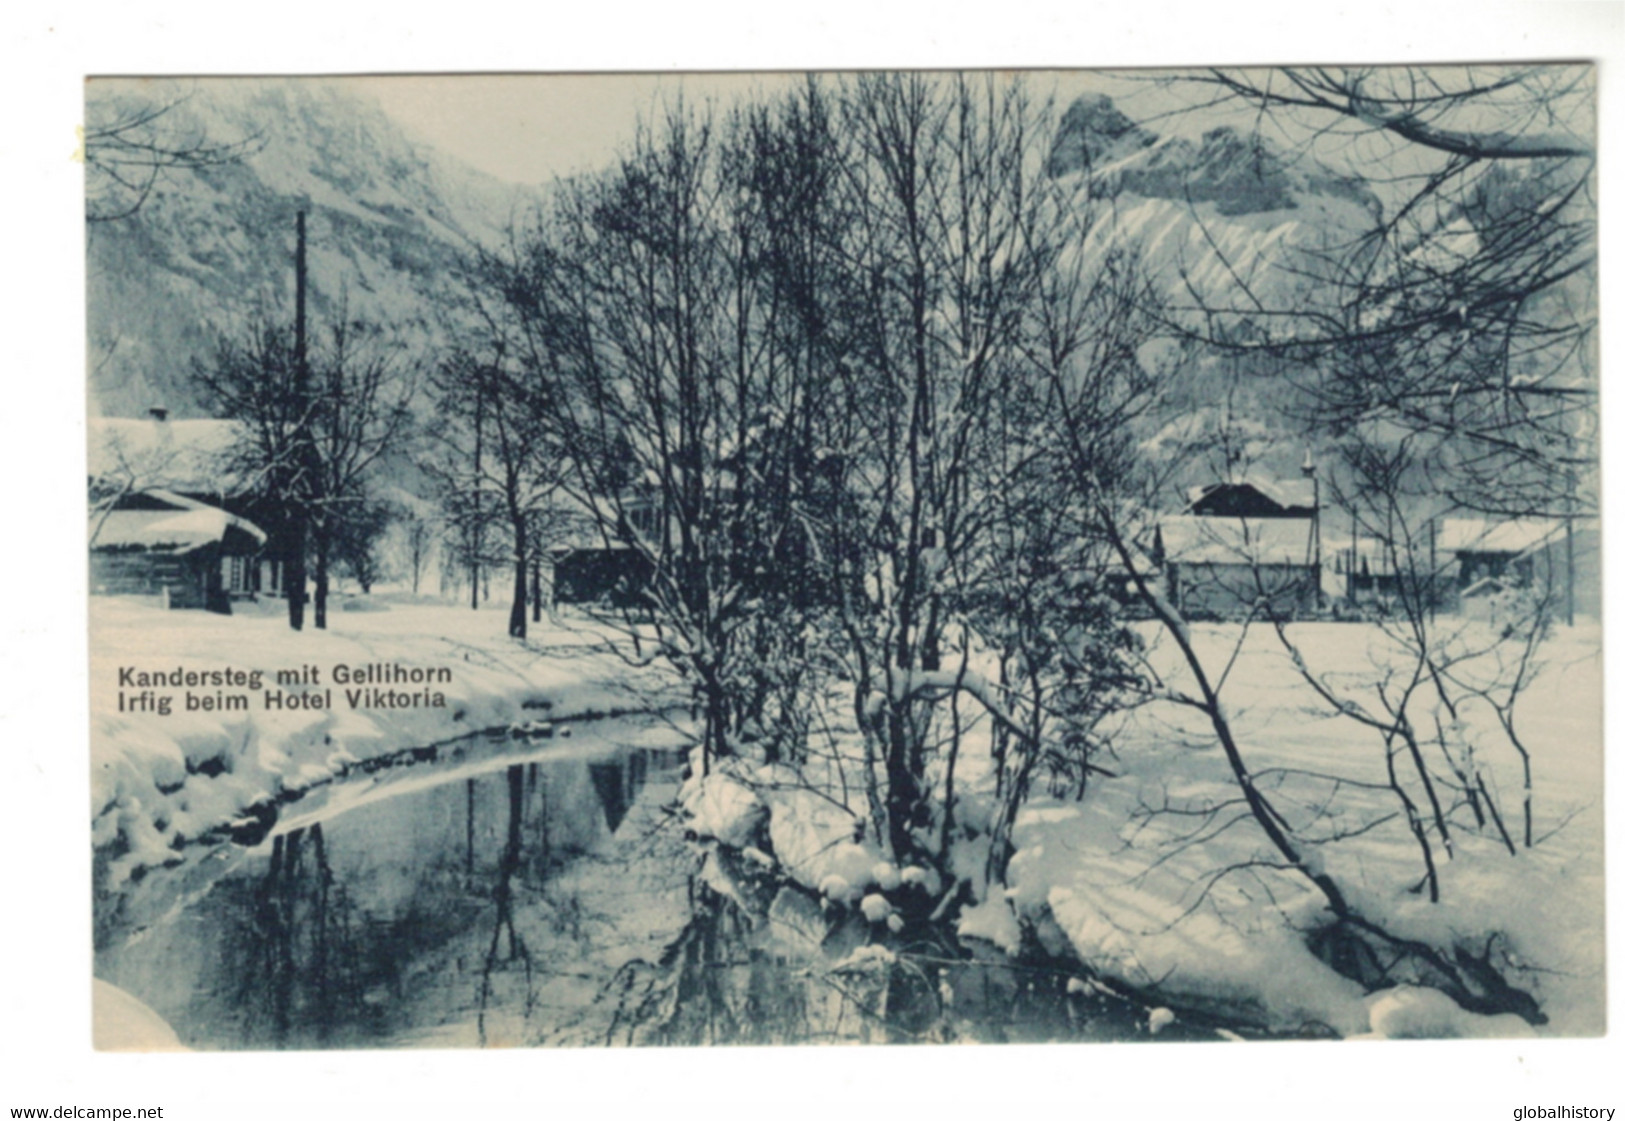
(1094, 132)
(1239, 173)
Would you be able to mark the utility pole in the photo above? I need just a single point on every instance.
(1352, 592)
(297, 514)
(1314, 521)
(477, 530)
(1433, 569)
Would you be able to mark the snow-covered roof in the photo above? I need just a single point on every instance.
(178, 455)
(1291, 492)
(185, 525)
(1197, 539)
(1480, 535)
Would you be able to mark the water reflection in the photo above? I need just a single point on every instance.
(547, 901)
(764, 963)
(433, 916)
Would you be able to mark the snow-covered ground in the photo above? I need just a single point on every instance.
(1143, 882)
(1131, 891)
(159, 779)
(1159, 877)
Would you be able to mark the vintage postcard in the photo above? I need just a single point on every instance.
(887, 557)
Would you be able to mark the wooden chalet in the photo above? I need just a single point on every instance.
(1557, 557)
(620, 571)
(1218, 567)
(1252, 499)
(185, 552)
(171, 519)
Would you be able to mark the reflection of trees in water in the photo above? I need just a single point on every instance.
(721, 980)
(506, 904)
(617, 785)
(492, 910)
(301, 973)
(727, 979)
(546, 831)
(502, 896)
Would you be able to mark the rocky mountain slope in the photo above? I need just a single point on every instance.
(210, 248)
(1221, 221)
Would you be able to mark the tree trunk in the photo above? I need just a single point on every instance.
(521, 564)
(293, 568)
(321, 576)
(903, 792)
(299, 513)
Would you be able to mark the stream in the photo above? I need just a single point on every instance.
(532, 892)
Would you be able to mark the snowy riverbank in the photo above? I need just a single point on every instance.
(1158, 879)
(241, 725)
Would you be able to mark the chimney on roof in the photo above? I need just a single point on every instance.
(158, 412)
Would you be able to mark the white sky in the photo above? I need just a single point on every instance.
(529, 128)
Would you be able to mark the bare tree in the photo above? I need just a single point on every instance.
(803, 364)
(980, 309)
(1466, 310)
(309, 445)
(418, 531)
(1352, 942)
(363, 392)
(133, 141)
(637, 301)
(358, 540)
(257, 378)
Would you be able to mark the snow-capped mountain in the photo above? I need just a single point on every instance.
(1210, 212)
(210, 248)
(1226, 221)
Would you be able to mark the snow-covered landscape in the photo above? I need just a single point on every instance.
(156, 779)
(1131, 884)
(893, 558)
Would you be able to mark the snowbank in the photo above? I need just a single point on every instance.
(159, 779)
(814, 839)
(120, 1022)
(1160, 877)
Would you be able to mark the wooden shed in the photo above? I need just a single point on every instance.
(1226, 568)
(180, 550)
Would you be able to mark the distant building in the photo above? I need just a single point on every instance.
(645, 541)
(1556, 557)
(1252, 498)
(1364, 571)
(170, 517)
(1223, 567)
(1241, 545)
(1485, 599)
(1470, 565)
(616, 575)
